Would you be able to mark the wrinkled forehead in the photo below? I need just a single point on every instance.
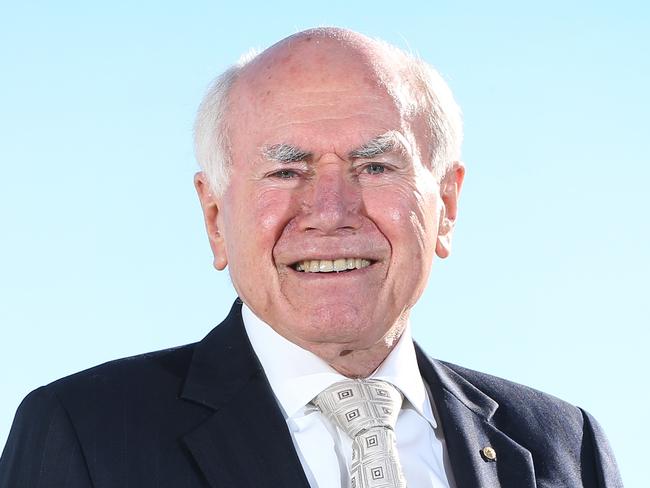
(321, 93)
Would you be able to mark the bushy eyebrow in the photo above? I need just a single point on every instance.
(375, 147)
(285, 153)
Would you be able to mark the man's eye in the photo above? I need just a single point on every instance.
(374, 168)
(285, 174)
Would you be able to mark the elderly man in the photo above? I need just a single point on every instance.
(330, 179)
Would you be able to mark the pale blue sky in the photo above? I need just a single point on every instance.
(102, 248)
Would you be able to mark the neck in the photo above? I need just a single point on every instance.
(358, 358)
(356, 362)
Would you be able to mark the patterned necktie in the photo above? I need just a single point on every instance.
(366, 410)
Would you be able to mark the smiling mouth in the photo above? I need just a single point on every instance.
(331, 265)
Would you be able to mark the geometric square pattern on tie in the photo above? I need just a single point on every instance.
(366, 410)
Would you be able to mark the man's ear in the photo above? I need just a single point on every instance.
(449, 192)
(213, 219)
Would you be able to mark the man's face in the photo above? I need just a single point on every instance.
(331, 218)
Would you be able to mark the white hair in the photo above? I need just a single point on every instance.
(433, 100)
(211, 146)
(442, 114)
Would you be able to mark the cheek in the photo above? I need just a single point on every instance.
(395, 214)
(259, 221)
(272, 210)
(404, 215)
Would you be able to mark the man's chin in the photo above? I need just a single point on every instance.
(342, 329)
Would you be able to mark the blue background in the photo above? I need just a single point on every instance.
(102, 247)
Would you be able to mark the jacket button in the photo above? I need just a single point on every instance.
(489, 454)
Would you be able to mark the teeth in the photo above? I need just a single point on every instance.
(325, 266)
(329, 265)
(340, 264)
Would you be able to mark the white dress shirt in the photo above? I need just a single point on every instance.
(297, 376)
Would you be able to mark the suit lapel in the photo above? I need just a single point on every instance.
(466, 415)
(245, 442)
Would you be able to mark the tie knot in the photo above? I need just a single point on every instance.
(358, 405)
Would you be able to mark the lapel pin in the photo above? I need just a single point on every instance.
(489, 454)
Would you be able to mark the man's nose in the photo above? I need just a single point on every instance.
(332, 201)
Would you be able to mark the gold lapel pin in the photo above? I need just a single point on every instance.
(489, 454)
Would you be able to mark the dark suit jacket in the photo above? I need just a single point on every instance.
(204, 415)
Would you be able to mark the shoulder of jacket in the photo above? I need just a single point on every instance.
(138, 372)
(521, 403)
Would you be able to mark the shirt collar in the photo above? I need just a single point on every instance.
(297, 375)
